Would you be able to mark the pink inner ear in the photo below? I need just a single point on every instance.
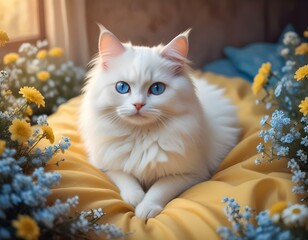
(109, 47)
(176, 50)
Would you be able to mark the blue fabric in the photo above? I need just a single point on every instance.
(249, 59)
(226, 68)
(245, 62)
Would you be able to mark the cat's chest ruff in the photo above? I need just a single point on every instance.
(142, 151)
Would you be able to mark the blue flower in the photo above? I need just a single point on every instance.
(81, 225)
(293, 164)
(250, 230)
(260, 147)
(49, 151)
(278, 90)
(37, 162)
(305, 141)
(46, 179)
(113, 232)
(304, 121)
(5, 202)
(287, 138)
(298, 176)
(22, 160)
(295, 133)
(268, 137)
(45, 216)
(6, 189)
(263, 219)
(285, 235)
(225, 199)
(64, 144)
(282, 151)
(298, 189)
(35, 132)
(15, 199)
(263, 120)
(303, 157)
(247, 215)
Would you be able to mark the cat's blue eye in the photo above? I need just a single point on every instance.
(122, 87)
(157, 88)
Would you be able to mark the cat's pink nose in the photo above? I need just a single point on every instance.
(138, 106)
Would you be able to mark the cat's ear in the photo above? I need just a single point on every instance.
(177, 49)
(109, 46)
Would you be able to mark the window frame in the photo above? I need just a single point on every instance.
(14, 44)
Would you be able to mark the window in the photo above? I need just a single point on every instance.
(23, 20)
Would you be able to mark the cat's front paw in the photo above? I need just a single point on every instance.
(148, 210)
(133, 197)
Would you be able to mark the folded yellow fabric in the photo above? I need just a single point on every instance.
(197, 212)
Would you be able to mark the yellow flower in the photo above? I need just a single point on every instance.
(260, 79)
(10, 58)
(29, 111)
(20, 130)
(8, 92)
(2, 146)
(55, 52)
(26, 228)
(258, 83)
(278, 207)
(265, 69)
(42, 54)
(4, 38)
(301, 73)
(303, 107)
(43, 76)
(32, 95)
(306, 33)
(302, 49)
(48, 133)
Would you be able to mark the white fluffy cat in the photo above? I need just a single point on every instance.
(152, 128)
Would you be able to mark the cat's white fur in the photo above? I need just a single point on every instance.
(176, 140)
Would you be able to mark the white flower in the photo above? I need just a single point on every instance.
(42, 43)
(32, 68)
(70, 63)
(24, 47)
(28, 49)
(67, 79)
(291, 38)
(284, 52)
(20, 61)
(296, 214)
(51, 68)
(51, 83)
(45, 89)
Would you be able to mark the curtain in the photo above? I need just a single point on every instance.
(66, 28)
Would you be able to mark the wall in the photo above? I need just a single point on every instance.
(214, 23)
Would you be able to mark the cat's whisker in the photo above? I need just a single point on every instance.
(112, 117)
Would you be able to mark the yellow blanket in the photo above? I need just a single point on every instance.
(197, 212)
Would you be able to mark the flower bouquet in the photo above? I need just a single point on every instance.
(24, 183)
(285, 138)
(46, 70)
